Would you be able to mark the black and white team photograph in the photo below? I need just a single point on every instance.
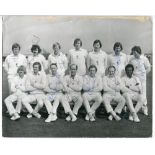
(77, 76)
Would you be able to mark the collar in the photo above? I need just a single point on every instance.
(36, 74)
(74, 77)
(100, 51)
(78, 50)
(57, 55)
(121, 54)
(12, 55)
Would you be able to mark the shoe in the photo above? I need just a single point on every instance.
(54, 118)
(87, 118)
(74, 118)
(15, 117)
(110, 118)
(92, 119)
(36, 114)
(136, 119)
(68, 118)
(145, 110)
(117, 118)
(130, 117)
(29, 116)
(49, 119)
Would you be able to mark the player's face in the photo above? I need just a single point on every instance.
(16, 50)
(53, 69)
(73, 70)
(56, 49)
(21, 73)
(136, 54)
(35, 52)
(77, 45)
(36, 69)
(129, 72)
(92, 72)
(117, 50)
(111, 71)
(97, 47)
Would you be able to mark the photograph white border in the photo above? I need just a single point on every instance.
(76, 146)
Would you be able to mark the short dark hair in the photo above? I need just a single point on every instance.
(112, 67)
(37, 63)
(137, 49)
(15, 45)
(73, 65)
(23, 68)
(34, 47)
(128, 66)
(97, 41)
(55, 64)
(56, 44)
(76, 40)
(92, 66)
(118, 44)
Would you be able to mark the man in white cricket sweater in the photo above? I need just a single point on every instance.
(92, 86)
(36, 83)
(18, 92)
(112, 86)
(132, 92)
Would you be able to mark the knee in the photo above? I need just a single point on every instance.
(123, 100)
(98, 98)
(80, 100)
(7, 101)
(84, 96)
(40, 103)
(24, 101)
(125, 95)
(105, 100)
(63, 99)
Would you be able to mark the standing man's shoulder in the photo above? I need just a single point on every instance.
(22, 55)
(104, 53)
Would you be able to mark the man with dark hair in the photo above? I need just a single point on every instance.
(132, 91)
(36, 57)
(118, 59)
(141, 68)
(59, 58)
(92, 86)
(78, 56)
(98, 58)
(12, 62)
(36, 83)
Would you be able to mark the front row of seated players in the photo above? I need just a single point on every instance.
(28, 88)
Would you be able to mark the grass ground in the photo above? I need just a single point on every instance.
(101, 128)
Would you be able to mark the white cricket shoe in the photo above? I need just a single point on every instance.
(29, 115)
(49, 119)
(110, 118)
(145, 110)
(87, 118)
(15, 117)
(136, 119)
(68, 118)
(130, 117)
(92, 119)
(74, 118)
(117, 118)
(36, 114)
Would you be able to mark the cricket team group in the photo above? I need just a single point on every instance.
(79, 77)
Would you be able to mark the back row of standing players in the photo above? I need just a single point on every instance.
(83, 60)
